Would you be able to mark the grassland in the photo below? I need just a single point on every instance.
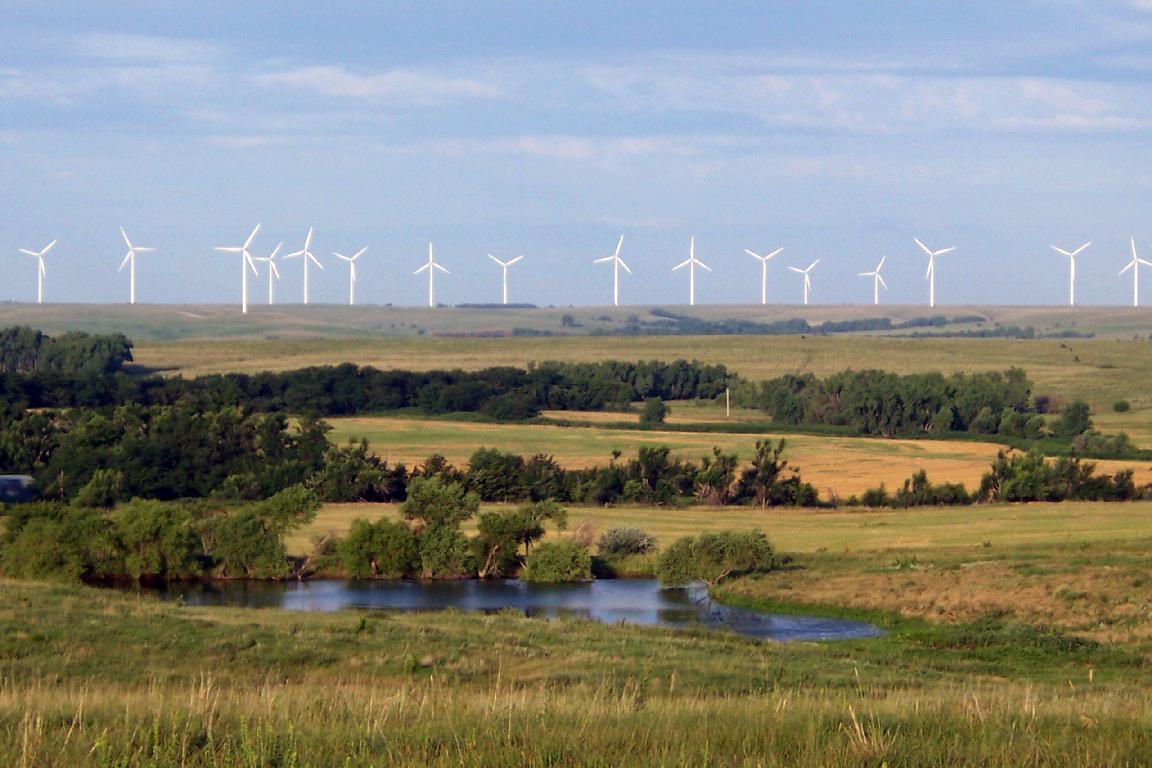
(970, 673)
(102, 679)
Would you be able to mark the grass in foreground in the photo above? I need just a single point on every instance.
(95, 678)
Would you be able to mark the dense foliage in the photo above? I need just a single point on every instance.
(25, 350)
(154, 541)
(712, 557)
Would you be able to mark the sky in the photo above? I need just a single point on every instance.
(836, 131)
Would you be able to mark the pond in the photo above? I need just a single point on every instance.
(631, 601)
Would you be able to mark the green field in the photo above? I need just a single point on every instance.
(1019, 635)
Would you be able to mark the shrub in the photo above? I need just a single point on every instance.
(625, 541)
(558, 561)
(1121, 406)
(380, 550)
(654, 411)
(712, 557)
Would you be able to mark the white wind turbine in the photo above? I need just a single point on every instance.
(807, 280)
(306, 254)
(877, 280)
(505, 265)
(431, 266)
(351, 272)
(763, 272)
(130, 260)
(691, 264)
(273, 273)
(932, 269)
(1072, 270)
(246, 263)
(617, 262)
(1134, 265)
(39, 269)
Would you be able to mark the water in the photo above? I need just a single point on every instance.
(631, 601)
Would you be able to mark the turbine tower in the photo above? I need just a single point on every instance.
(691, 264)
(505, 265)
(246, 263)
(617, 262)
(932, 269)
(1133, 265)
(431, 266)
(807, 280)
(351, 272)
(39, 269)
(130, 260)
(1072, 270)
(877, 281)
(306, 254)
(763, 272)
(273, 273)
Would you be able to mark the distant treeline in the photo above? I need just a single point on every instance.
(500, 393)
(25, 350)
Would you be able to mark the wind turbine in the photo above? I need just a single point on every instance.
(1072, 270)
(246, 263)
(807, 280)
(932, 269)
(617, 262)
(273, 273)
(763, 272)
(431, 266)
(130, 260)
(691, 264)
(505, 265)
(351, 272)
(877, 281)
(40, 269)
(1133, 265)
(306, 255)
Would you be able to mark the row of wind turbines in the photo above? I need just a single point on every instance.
(248, 263)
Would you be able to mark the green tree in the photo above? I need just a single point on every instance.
(654, 411)
(160, 540)
(712, 557)
(380, 550)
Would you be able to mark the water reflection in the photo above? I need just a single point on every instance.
(632, 601)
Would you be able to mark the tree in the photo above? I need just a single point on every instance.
(712, 557)
(380, 550)
(1075, 419)
(654, 411)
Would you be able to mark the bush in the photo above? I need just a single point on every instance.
(1121, 406)
(558, 561)
(625, 541)
(380, 550)
(712, 557)
(654, 411)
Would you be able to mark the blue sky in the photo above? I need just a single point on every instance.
(835, 130)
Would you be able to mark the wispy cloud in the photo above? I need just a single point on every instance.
(407, 86)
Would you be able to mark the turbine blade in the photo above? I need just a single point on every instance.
(276, 250)
(252, 236)
(30, 253)
(881, 264)
(125, 262)
(315, 261)
(513, 261)
(597, 261)
(497, 260)
(618, 244)
(308, 239)
(755, 255)
(357, 255)
(924, 247)
(437, 266)
(126, 238)
(881, 279)
(142, 249)
(682, 264)
(426, 266)
(797, 269)
(1061, 250)
(945, 250)
(272, 267)
(48, 247)
(702, 264)
(624, 265)
(813, 264)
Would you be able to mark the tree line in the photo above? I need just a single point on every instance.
(26, 350)
(505, 393)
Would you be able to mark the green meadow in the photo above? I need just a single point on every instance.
(1017, 634)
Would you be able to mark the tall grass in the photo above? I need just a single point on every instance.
(98, 679)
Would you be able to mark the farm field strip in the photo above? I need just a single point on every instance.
(809, 530)
(842, 466)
